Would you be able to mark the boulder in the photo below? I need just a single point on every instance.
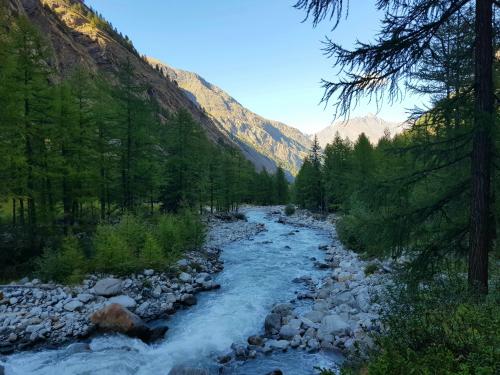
(73, 305)
(185, 277)
(85, 297)
(288, 331)
(123, 300)
(108, 287)
(272, 323)
(188, 300)
(116, 318)
(315, 316)
(255, 340)
(333, 325)
(278, 344)
(283, 309)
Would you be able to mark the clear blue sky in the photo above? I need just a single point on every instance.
(256, 50)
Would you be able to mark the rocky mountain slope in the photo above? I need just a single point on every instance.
(80, 37)
(284, 145)
(373, 127)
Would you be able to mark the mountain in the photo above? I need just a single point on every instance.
(284, 145)
(373, 127)
(79, 36)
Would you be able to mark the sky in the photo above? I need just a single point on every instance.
(259, 51)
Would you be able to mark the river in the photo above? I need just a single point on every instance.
(257, 274)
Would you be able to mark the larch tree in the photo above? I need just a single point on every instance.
(387, 66)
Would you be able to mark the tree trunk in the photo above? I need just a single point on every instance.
(481, 215)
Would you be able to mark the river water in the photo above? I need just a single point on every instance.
(257, 274)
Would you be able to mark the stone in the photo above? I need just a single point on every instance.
(13, 300)
(283, 309)
(185, 277)
(255, 340)
(333, 325)
(108, 287)
(272, 323)
(344, 297)
(278, 344)
(85, 297)
(123, 300)
(73, 305)
(183, 263)
(12, 337)
(295, 343)
(148, 272)
(313, 344)
(184, 370)
(363, 299)
(117, 318)
(225, 358)
(157, 291)
(188, 300)
(314, 316)
(288, 331)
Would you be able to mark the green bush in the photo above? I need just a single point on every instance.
(67, 265)
(112, 252)
(371, 268)
(133, 231)
(439, 329)
(289, 209)
(152, 255)
(128, 246)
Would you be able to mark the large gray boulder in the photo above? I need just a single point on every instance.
(108, 287)
(288, 331)
(333, 325)
(272, 323)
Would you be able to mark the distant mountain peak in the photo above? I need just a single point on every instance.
(370, 124)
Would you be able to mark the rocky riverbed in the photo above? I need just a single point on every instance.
(344, 308)
(36, 314)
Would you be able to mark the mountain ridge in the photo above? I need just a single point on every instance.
(283, 144)
(78, 36)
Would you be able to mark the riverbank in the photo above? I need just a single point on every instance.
(344, 305)
(33, 314)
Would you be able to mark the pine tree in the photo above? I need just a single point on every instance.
(386, 66)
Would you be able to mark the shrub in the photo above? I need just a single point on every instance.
(133, 231)
(68, 264)
(112, 253)
(438, 328)
(289, 209)
(152, 255)
(168, 235)
(371, 268)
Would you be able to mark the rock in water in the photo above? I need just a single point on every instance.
(272, 324)
(108, 287)
(183, 370)
(116, 318)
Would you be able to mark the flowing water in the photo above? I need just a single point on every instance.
(257, 274)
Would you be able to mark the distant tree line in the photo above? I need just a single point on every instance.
(78, 150)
